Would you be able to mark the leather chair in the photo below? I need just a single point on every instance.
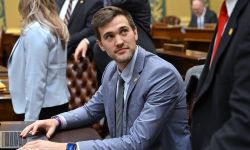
(82, 84)
(171, 20)
(191, 82)
(82, 81)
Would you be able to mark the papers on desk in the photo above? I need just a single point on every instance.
(2, 87)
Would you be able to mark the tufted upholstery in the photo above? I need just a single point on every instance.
(82, 83)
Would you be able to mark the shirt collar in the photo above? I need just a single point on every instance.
(127, 72)
(230, 4)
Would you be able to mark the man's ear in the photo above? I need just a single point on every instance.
(100, 45)
(136, 34)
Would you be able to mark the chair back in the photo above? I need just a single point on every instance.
(82, 81)
(171, 20)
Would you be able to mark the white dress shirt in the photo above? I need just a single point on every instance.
(65, 7)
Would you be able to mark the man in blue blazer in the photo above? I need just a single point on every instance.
(154, 115)
(141, 13)
(79, 24)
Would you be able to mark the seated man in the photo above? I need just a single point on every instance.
(201, 14)
(142, 96)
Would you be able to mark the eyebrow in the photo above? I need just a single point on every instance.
(110, 32)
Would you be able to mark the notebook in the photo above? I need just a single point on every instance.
(12, 140)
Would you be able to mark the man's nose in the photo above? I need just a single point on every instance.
(118, 40)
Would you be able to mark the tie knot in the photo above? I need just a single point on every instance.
(121, 81)
(223, 10)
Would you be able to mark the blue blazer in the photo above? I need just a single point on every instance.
(155, 114)
(37, 72)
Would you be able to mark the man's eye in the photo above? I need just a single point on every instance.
(124, 31)
(108, 37)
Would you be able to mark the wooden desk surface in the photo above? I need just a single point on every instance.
(73, 135)
(183, 60)
(187, 54)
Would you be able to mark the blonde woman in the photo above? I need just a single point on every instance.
(37, 64)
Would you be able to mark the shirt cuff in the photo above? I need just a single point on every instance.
(86, 40)
(61, 120)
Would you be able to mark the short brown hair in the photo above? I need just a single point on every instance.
(106, 15)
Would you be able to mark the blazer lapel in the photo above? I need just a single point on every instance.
(60, 4)
(223, 46)
(135, 77)
(111, 101)
(78, 7)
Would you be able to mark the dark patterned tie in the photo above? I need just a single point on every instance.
(68, 13)
(119, 107)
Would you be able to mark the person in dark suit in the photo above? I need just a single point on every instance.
(221, 111)
(201, 14)
(79, 25)
(141, 13)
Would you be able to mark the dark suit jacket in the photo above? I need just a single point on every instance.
(210, 17)
(80, 22)
(221, 112)
(141, 13)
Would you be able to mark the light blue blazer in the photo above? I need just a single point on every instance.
(37, 72)
(155, 116)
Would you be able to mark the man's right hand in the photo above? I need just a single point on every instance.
(49, 125)
(81, 50)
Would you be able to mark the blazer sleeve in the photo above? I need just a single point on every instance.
(159, 106)
(36, 45)
(87, 30)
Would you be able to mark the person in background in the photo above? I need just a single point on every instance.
(142, 96)
(37, 64)
(221, 111)
(201, 14)
(141, 13)
(77, 15)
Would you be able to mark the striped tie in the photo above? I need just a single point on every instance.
(68, 13)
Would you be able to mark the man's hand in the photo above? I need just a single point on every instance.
(49, 125)
(81, 49)
(43, 145)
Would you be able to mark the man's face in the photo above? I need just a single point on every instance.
(197, 7)
(118, 39)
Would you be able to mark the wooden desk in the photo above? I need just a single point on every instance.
(3, 71)
(8, 41)
(193, 38)
(198, 39)
(6, 109)
(166, 34)
(74, 135)
(183, 60)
